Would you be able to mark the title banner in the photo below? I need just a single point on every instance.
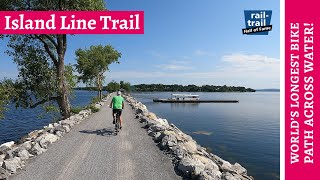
(71, 22)
(302, 85)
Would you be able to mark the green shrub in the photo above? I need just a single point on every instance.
(105, 95)
(76, 110)
(95, 100)
(93, 108)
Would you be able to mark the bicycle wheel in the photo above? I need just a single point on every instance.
(118, 122)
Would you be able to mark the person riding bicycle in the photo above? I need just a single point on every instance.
(117, 104)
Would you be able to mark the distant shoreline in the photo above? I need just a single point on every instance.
(256, 90)
(268, 90)
(179, 88)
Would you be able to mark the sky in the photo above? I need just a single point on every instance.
(186, 42)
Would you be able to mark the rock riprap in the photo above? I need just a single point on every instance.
(189, 158)
(13, 156)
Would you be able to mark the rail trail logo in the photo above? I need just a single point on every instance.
(257, 22)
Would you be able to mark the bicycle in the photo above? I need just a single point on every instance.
(116, 118)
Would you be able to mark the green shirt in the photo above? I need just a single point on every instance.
(117, 102)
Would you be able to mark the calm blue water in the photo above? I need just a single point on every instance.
(247, 132)
(19, 122)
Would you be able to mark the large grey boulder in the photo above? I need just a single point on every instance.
(46, 139)
(143, 119)
(23, 154)
(157, 136)
(163, 122)
(59, 128)
(8, 144)
(4, 174)
(225, 166)
(50, 125)
(239, 169)
(9, 154)
(67, 122)
(190, 146)
(37, 149)
(1, 160)
(66, 128)
(4, 149)
(84, 113)
(204, 175)
(26, 145)
(190, 167)
(56, 125)
(48, 128)
(152, 116)
(33, 135)
(141, 109)
(78, 118)
(229, 176)
(59, 133)
(178, 151)
(157, 128)
(158, 123)
(231, 172)
(72, 118)
(168, 140)
(11, 165)
(211, 169)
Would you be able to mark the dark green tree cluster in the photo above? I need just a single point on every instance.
(189, 88)
(125, 86)
(113, 86)
(87, 88)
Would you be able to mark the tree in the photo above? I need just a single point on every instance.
(43, 76)
(121, 84)
(92, 63)
(113, 86)
(125, 86)
(7, 91)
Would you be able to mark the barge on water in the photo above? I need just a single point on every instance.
(189, 98)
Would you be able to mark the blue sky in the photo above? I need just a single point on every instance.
(187, 42)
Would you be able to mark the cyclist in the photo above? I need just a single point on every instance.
(117, 104)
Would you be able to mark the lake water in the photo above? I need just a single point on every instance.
(247, 132)
(19, 122)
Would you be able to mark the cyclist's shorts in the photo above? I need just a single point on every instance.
(118, 111)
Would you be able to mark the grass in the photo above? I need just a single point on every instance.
(93, 108)
(95, 100)
(76, 110)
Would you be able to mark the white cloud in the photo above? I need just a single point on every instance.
(255, 58)
(252, 63)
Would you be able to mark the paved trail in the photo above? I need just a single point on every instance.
(91, 151)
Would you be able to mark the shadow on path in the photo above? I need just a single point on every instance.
(101, 132)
